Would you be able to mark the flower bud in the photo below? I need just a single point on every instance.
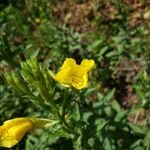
(12, 131)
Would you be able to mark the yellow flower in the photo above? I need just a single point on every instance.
(71, 74)
(12, 131)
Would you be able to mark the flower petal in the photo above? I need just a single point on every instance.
(1, 131)
(14, 122)
(85, 67)
(68, 63)
(19, 130)
(63, 76)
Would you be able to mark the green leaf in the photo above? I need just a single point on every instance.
(96, 44)
(91, 142)
(76, 112)
(146, 141)
(87, 115)
(100, 96)
(116, 106)
(103, 50)
(112, 54)
(107, 143)
(136, 144)
(109, 95)
(137, 129)
(77, 143)
(100, 124)
(31, 52)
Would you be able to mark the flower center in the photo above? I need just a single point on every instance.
(77, 82)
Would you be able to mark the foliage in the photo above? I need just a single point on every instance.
(113, 111)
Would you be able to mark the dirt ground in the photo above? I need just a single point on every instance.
(81, 14)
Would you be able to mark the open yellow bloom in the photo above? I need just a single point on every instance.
(71, 74)
(12, 131)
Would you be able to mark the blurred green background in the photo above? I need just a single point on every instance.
(115, 33)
